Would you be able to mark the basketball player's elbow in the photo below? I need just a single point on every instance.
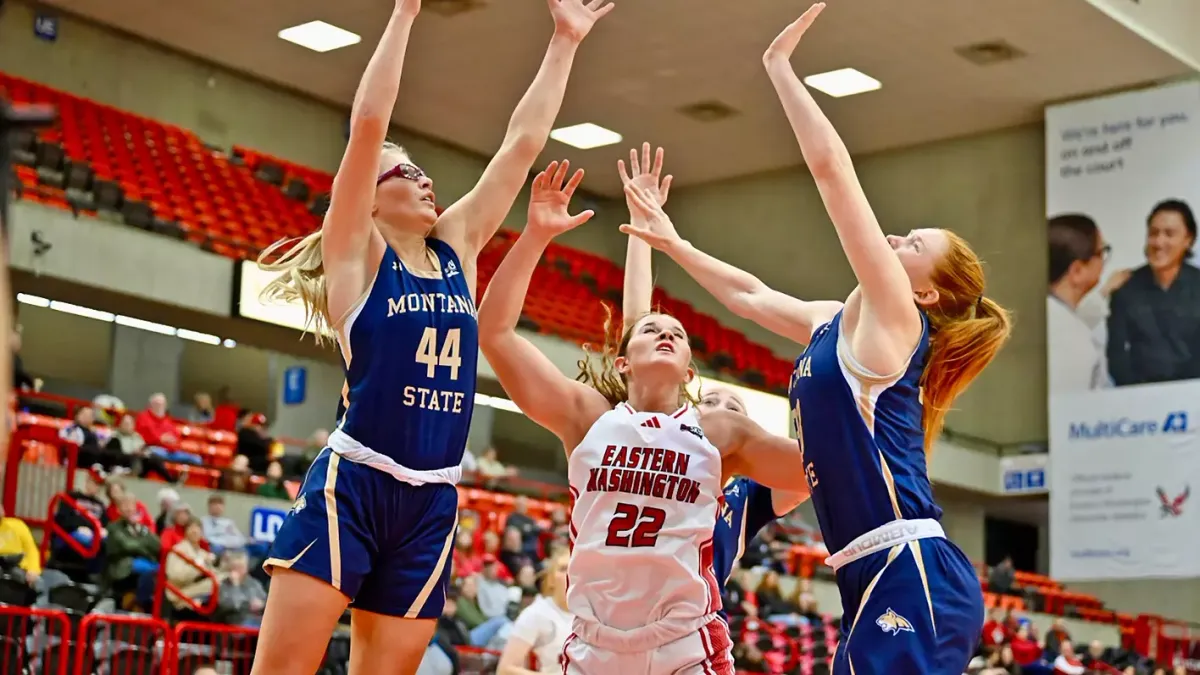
(522, 143)
(368, 123)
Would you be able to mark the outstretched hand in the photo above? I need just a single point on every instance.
(549, 199)
(785, 43)
(574, 18)
(645, 174)
(650, 223)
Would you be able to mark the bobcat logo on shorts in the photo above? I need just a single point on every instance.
(891, 622)
(299, 504)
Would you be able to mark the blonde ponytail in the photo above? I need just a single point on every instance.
(301, 278)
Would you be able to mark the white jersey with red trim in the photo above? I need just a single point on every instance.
(646, 489)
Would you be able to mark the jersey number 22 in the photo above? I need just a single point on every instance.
(634, 528)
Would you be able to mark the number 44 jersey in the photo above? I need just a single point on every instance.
(646, 490)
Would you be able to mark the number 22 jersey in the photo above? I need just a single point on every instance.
(646, 491)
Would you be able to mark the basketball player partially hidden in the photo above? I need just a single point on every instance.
(645, 471)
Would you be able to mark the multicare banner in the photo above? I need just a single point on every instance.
(1123, 334)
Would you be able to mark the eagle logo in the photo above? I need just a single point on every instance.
(1173, 506)
(891, 622)
(298, 505)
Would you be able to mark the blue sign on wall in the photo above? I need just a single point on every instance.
(295, 380)
(265, 523)
(1021, 480)
(45, 27)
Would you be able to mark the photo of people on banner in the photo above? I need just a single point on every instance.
(1123, 302)
(1123, 334)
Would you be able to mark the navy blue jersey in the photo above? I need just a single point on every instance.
(863, 444)
(748, 508)
(410, 352)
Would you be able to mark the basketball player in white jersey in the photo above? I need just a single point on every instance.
(645, 471)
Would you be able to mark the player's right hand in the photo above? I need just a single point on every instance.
(646, 175)
(549, 199)
(650, 223)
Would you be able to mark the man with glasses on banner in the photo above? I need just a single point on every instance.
(12, 118)
(1074, 343)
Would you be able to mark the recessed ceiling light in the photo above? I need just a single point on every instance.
(585, 136)
(319, 36)
(844, 82)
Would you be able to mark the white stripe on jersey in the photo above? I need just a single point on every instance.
(647, 493)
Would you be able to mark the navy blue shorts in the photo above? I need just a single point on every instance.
(915, 609)
(384, 544)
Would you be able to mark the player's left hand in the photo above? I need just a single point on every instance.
(549, 199)
(574, 18)
(785, 43)
(650, 223)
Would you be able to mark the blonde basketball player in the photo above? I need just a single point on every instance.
(645, 471)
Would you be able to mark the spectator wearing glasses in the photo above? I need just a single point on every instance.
(1154, 325)
(1077, 255)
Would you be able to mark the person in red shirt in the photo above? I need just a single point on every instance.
(116, 491)
(1067, 662)
(995, 631)
(467, 560)
(1025, 648)
(155, 427)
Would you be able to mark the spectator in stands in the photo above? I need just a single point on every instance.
(771, 603)
(316, 443)
(17, 540)
(116, 493)
(512, 552)
(768, 549)
(64, 557)
(1002, 662)
(175, 527)
(273, 487)
(491, 467)
(525, 524)
(1094, 660)
(186, 566)
(236, 477)
(242, 597)
(806, 603)
(167, 499)
(131, 553)
(542, 627)
(129, 443)
(103, 404)
(467, 561)
(468, 603)
(1067, 663)
(202, 411)
(220, 530)
(526, 580)
(450, 627)
(83, 433)
(253, 441)
(1054, 637)
(493, 592)
(158, 430)
(1002, 577)
(1026, 650)
(491, 546)
(995, 631)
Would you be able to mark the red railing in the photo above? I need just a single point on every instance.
(228, 648)
(164, 586)
(53, 529)
(34, 641)
(1167, 642)
(124, 644)
(30, 480)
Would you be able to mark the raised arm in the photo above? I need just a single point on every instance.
(349, 240)
(534, 383)
(639, 272)
(470, 222)
(748, 450)
(740, 292)
(887, 293)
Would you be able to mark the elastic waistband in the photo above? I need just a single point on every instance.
(885, 537)
(640, 639)
(348, 448)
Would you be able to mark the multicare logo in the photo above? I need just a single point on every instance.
(1175, 422)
